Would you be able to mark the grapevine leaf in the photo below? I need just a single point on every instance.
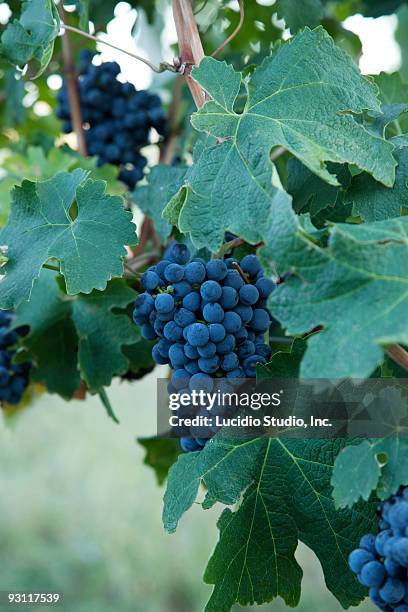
(73, 336)
(34, 165)
(163, 181)
(102, 333)
(32, 36)
(222, 82)
(89, 246)
(140, 354)
(223, 190)
(283, 364)
(392, 89)
(286, 485)
(379, 464)
(374, 202)
(394, 472)
(393, 94)
(310, 193)
(297, 15)
(161, 453)
(52, 342)
(233, 180)
(302, 97)
(357, 471)
(356, 288)
(355, 475)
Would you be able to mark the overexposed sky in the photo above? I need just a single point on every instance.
(151, 42)
(380, 50)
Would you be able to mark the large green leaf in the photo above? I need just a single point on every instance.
(69, 337)
(286, 498)
(358, 470)
(102, 333)
(378, 464)
(355, 475)
(303, 97)
(310, 193)
(88, 241)
(222, 192)
(34, 164)
(32, 35)
(374, 202)
(355, 288)
(283, 364)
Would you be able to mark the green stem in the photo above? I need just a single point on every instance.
(228, 246)
(161, 68)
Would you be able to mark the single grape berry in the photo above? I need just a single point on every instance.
(372, 574)
(358, 558)
(195, 272)
(248, 295)
(216, 270)
(164, 303)
(211, 291)
(198, 334)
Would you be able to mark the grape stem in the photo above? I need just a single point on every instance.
(72, 88)
(142, 260)
(227, 247)
(190, 48)
(235, 32)
(238, 268)
(161, 68)
(399, 355)
(132, 273)
(51, 267)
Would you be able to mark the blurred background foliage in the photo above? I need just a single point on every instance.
(80, 512)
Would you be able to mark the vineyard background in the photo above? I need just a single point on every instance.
(81, 514)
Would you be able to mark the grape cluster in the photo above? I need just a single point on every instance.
(381, 561)
(117, 118)
(210, 318)
(13, 377)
